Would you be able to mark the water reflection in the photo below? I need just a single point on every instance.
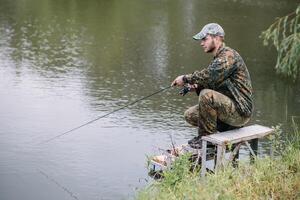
(63, 63)
(50, 49)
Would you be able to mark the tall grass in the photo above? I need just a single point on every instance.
(266, 179)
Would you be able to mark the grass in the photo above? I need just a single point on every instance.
(265, 179)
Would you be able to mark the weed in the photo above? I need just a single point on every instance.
(267, 178)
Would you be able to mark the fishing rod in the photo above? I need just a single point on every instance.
(105, 115)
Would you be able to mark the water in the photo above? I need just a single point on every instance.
(63, 63)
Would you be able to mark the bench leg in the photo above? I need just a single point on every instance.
(203, 163)
(254, 147)
(197, 160)
(220, 156)
(234, 156)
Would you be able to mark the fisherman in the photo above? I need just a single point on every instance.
(224, 87)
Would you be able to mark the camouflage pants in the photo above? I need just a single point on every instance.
(215, 108)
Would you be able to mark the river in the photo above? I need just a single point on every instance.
(64, 63)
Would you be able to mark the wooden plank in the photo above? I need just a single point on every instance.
(203, 167)
(251, 150)
(239, 135)
(254, 147)
(220, 156)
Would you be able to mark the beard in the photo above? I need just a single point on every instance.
(211, 47)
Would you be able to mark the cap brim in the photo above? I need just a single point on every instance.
(199, 36)
(195, 38)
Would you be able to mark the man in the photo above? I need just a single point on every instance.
(224, 87)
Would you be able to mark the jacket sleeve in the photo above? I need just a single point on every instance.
(220, 69)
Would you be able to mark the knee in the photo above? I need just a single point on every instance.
(191, 116)
(187, 115)
(206, 95)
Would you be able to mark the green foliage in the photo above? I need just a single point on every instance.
(294, 137)
(172, 181)
(180, 170)
(266, 179)
(278, 144)
(285, 34)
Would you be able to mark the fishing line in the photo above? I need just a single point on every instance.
(105, 115)
(58, 184)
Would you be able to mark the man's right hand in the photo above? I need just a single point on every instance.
(178, 81)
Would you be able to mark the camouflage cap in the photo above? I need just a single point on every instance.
(212, 29)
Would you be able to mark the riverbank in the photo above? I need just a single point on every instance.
(266, 179)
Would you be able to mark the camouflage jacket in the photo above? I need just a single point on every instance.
(227, 74)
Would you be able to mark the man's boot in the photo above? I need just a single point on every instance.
(196, 142)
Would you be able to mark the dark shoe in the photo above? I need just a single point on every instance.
(196, 142)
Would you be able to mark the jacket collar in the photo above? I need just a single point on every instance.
(221, 48)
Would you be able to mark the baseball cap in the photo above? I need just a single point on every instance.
(212, 29)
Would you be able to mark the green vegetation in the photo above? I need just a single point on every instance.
(266, 179)
(285, 34)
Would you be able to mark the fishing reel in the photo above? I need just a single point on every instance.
(184, 90)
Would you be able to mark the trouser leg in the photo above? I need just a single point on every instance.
(191, 115)
(213, 106)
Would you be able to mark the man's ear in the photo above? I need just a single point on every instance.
(221, 38)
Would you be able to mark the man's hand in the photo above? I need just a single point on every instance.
(188, 88)
(193, 87)
(178, 81)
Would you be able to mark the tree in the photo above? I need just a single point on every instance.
(285, 35)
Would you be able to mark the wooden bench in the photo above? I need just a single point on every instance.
(235, 138)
